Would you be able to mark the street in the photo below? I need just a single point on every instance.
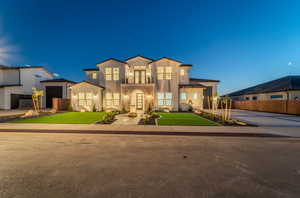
(96, 165)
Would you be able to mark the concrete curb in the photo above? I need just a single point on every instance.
(108, 132)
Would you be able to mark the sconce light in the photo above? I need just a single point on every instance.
(126, 96)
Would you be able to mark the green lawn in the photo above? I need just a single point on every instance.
(183, 119)
(67, 118)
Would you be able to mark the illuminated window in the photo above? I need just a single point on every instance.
(116, 99)
(108, 73)
(108, 99)
(85, 99)
(195, 96)
(183, 96)
(182, 72)
(94, 75)
(160, 73)
(168, 73)
(116, 73)
(112, 99)
(164, 98)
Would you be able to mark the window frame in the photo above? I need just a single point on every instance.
(183, 94)
(164, 98)
(116, 73)
(108, 75)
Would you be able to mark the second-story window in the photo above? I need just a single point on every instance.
(108, 73)
(182, 72)
(164, 73)
(94, 75)
(182, 96)
(116, 75)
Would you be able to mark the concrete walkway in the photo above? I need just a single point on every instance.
(123, 119)
(4, 113)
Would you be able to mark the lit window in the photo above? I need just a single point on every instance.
(85, 99)
(195, 96)
(94, 75)
(116, 73)
(112, 99)
(160, 73)
(164, 98)
(182, 72)
(168, 73)
(183, 96)
(116, 99)
(108, 73)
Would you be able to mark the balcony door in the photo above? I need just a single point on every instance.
(139, 76)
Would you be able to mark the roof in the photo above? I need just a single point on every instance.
(203, 80)
(287, 83)
(12, 85)
(89, 83)
(58, 80)
(95, 69)
(113, 59)
(167, 59)
(185, 65)
(139, 56)
(192, 86)
(4, 67)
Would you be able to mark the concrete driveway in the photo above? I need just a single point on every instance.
(266, 119)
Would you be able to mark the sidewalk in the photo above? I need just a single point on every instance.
(141, 130)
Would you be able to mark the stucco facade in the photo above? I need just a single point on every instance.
(139, 84)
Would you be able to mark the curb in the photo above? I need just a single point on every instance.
(107, 132)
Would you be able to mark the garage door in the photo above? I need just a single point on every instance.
(15, 100)
(52, 92)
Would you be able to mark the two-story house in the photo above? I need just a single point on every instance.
(16, 83)
(139, 84)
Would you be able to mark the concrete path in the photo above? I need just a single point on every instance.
(4, 113)
(123, 119)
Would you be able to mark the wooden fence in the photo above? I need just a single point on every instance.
(60, 104)
(273, 106)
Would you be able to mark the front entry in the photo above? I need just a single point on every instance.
(139, 101)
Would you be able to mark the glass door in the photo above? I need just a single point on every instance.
(139, 101)
(139, 76)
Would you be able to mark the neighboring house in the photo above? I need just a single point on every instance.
(55, 88)
(16, 84)
(286, 88)
(139, 84)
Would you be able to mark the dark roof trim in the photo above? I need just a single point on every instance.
(186, 65)
(139, 56)
(167, 59)
(203, 80)
(192, 86)
(91, 70)
(58, 80)
(12, 85)
(110, 59)
(89, 83)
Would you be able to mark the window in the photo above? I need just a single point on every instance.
(116, 98)
(116, 73)
(160, 73)
(182, 96)
(276, 96)
(164, 98)
(94, 75)
(182, 72)
(112, 99)
(168, 73)
(254, 98)
(195, 96)
(85, 99)
(247, 98)
(108, 74)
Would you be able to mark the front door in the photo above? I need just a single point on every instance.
(139, 76)
(139, 101)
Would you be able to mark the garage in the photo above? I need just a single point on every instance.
(16, 98)
(52, 92)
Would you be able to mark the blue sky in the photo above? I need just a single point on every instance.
(240, 42)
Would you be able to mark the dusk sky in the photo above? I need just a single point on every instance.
(240, 42)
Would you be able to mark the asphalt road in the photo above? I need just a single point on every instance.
(92, 165)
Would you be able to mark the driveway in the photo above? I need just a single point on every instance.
(266, 119)
(5, 113)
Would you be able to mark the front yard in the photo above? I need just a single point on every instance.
(67, 118)
(183, 119)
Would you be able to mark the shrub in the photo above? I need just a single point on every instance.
(70, 108)
(94, 108)
(108, 118)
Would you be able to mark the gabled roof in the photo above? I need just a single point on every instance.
(110, 59)
(94, 84)
(287, 83)
(58, 80)
(140, 57)
(203, 80)
(167, 59)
